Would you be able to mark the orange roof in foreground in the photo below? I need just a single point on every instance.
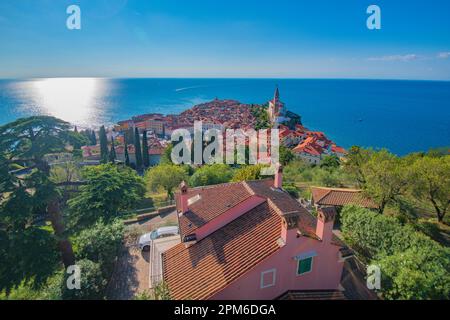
(201, 270)
(217, 199)
(340, 197)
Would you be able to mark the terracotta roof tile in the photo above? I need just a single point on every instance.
(201, 270)
(340, 197)
(214, 200)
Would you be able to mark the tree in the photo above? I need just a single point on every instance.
(145, 155)
(92, 284)
(127, 157)
(385, 178)
(416, 274)
(27, 141)
(100, 244)
(248, 172)
(354, 162)
(103, 145)
(93, 138)
(430, 181)
(112, 153)
(330, 162)
(165, 176)
(286, 155)
(166, 157)
(412, 265)
(211, 174)
(109, 190)
(137, 149)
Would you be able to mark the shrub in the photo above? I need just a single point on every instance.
(92, 284)
(412, 265)
(100, 244)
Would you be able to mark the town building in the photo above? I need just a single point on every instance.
(251, 240)
(339, 197)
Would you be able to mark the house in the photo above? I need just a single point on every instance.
(338, 197)
(251, 240)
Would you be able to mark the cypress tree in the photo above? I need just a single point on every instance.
(103, 145)
(145, 156)
(127, 157)
(112, 153)
(93, 138)
(137, 149)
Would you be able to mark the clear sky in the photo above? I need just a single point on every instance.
(225, 38)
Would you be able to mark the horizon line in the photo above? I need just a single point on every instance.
(224, 78)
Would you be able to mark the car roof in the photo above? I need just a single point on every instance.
(167, 229)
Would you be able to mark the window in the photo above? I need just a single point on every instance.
(304, 266)
(268, 278)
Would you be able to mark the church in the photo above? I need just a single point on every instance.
(278, 114)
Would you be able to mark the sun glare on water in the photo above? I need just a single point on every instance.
(70, 99)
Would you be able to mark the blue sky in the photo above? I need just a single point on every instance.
(226, 38)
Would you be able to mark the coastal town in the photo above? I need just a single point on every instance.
(310, 146)
(114, 203)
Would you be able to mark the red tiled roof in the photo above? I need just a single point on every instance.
(340, 197)
(225, 196)
(201, 270)
(215, 200)
(313, 295)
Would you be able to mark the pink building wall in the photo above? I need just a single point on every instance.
(230, 215)
(325, 274)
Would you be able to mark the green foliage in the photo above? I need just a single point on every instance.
(211, 174)
(413, 266)
(137, 149)
(292, 190)
(417, 273)
(28, 256)
(165, 176)
(127, 156)
(385, 178)
(286, 155)
(355, 160)
(112, 152)
(103, 145)
(330, 162)
(109, 190)
(429, 181)
(100, 244)
(248, 172)
(93, 283)
(161, 292)
(262, 117)
(50, 290)
(166, 156)
(77, 140)
(145, 155)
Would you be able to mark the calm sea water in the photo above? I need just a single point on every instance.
(403, 116)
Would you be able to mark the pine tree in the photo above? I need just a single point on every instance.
(137, 149)
(103, 145)
(127, 157)
(145, 156)
(112, 153)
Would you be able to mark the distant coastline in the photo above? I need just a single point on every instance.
(401, 115)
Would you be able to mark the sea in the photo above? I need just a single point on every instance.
(401, 116)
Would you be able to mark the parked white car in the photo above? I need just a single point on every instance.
(145, 240)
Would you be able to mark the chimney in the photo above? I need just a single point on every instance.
(183, 198)
(278, 182)
(289, 228)
(325, 222)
